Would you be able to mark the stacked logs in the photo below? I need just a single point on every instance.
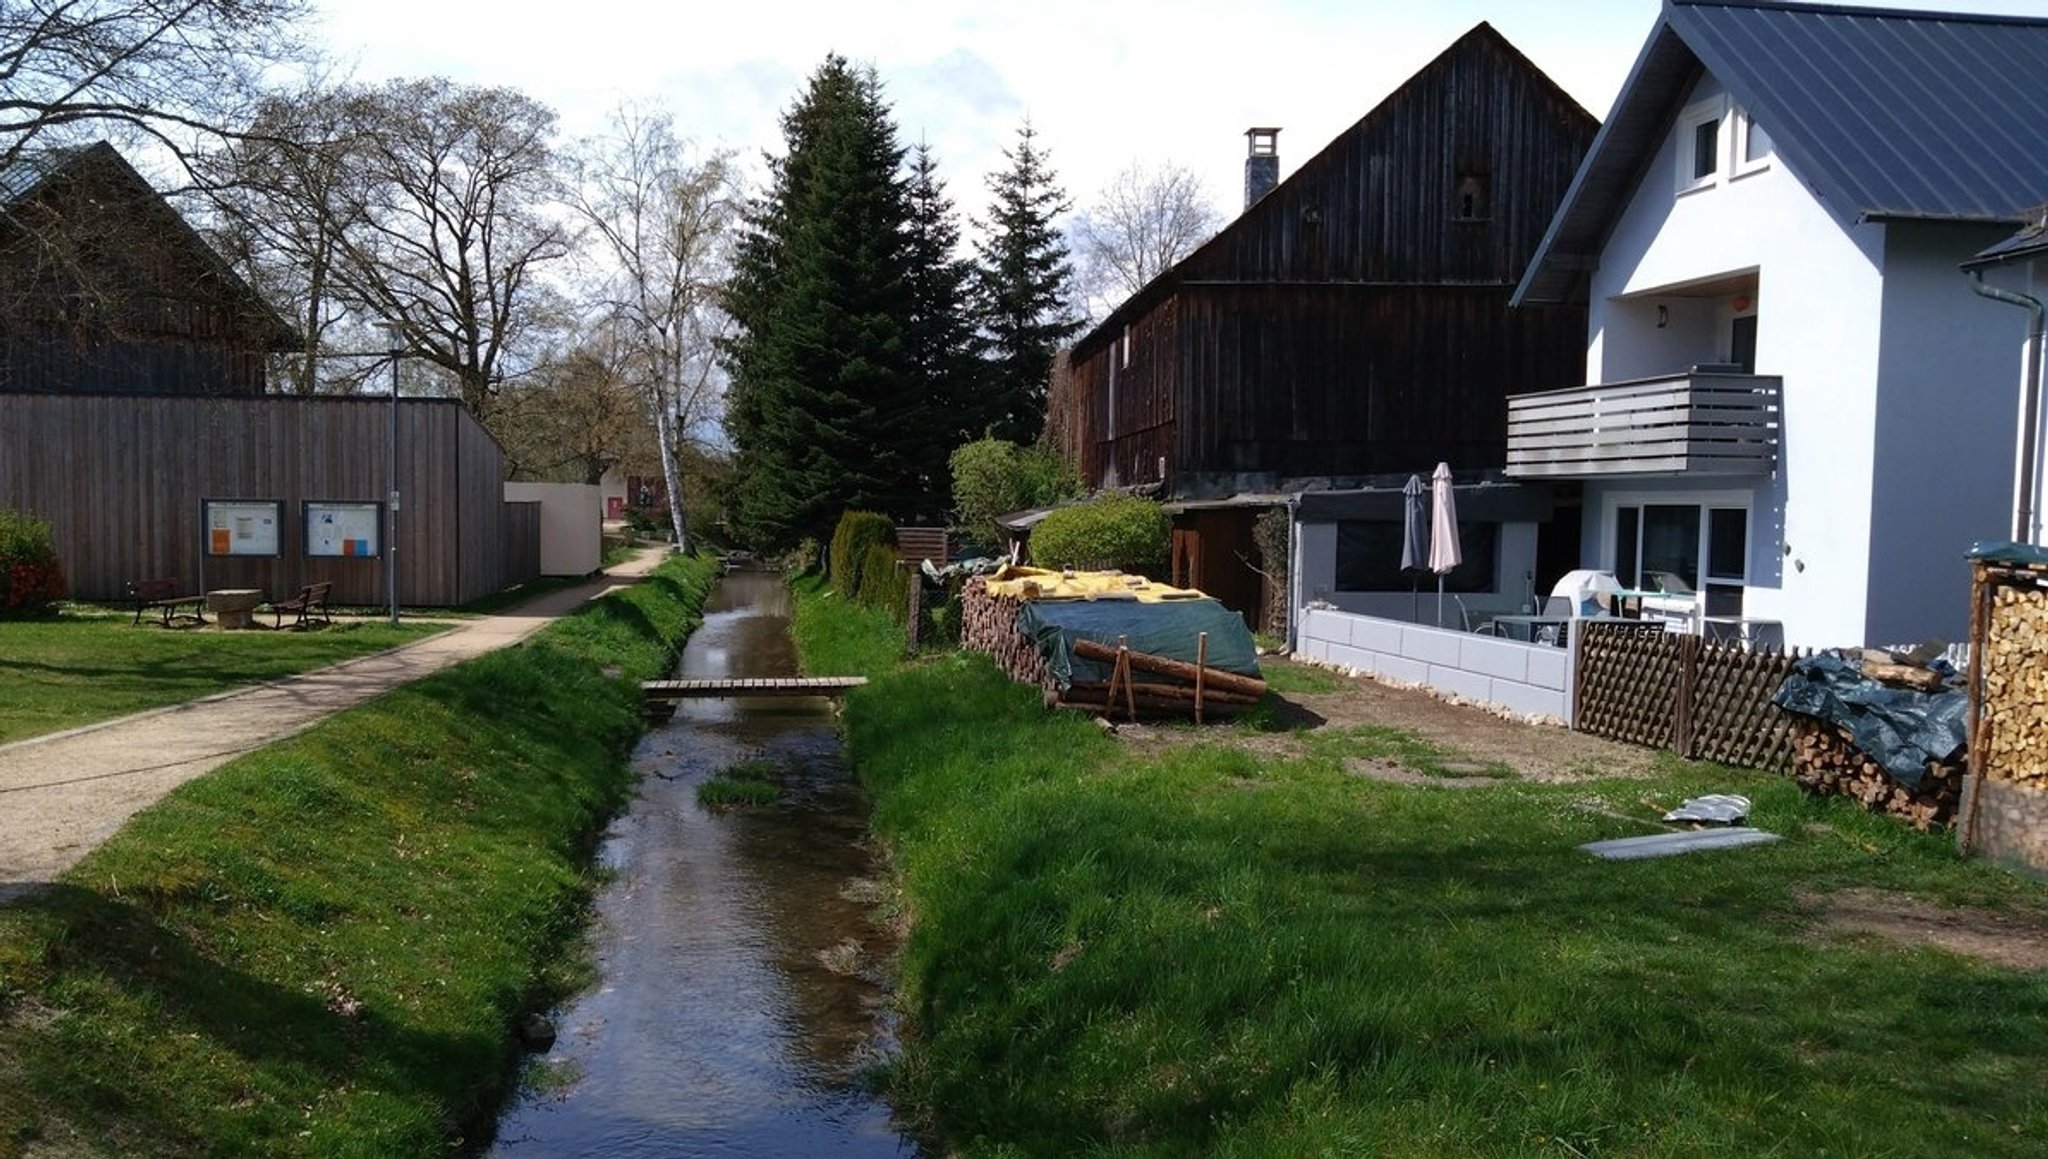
(1825, 761)
(2014, 711)
(988, 624)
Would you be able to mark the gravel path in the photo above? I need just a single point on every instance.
(63, 794)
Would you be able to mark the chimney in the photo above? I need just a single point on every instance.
(1261, 164)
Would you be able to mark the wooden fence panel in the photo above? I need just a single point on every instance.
(1704, 700)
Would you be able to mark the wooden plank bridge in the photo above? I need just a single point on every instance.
(659, 697)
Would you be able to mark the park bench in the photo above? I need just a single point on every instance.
(311, 602)
(163, 594)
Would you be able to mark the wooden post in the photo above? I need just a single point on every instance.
(1981, 593)
(1123, 666)
(910, 630)
(1201, 667)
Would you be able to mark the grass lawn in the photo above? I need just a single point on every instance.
(1229, 943)
(58, 674)
(323, 948)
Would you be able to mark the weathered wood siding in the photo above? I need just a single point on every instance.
(120, 479)
(1355, 320)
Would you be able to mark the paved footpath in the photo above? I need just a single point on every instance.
(63, 794)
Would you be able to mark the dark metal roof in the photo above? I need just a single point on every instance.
(2029, 243)
(1885, 114)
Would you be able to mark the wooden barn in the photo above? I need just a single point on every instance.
(105, 288)
(133, 419)
(1352, 324)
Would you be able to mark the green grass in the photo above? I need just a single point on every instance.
(748, 784)
(1216, 950)
(322, 948)
(62, 673)
(1283, 675)
(838, 638)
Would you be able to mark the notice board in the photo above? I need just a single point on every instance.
(343, 529)
(241, 526)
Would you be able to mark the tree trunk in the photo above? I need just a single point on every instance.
(672, 474)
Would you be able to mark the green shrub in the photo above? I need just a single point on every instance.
(992, 477)
(883, 585)
(31, 576)
(1120, 532)
(857, 531)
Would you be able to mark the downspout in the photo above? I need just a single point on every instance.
(2023, 528)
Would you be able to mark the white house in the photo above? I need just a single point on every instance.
(1796, 402)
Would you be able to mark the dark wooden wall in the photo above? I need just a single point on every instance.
(1355, 320)
(120, 480)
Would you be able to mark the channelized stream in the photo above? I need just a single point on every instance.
(739, 1002)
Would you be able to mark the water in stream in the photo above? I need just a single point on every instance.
(737, 1006)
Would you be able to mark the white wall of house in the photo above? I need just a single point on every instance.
(570, 531)
(1853, 537)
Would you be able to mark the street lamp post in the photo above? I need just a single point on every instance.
(396, 336)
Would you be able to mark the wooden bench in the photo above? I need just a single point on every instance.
(163, 594)
(311, 602)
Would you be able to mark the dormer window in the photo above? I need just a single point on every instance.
(1752, 145)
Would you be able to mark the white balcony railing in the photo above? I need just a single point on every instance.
(1699, 423)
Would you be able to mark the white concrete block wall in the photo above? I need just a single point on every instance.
(1530, 679)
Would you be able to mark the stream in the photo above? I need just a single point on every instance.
(740, 1004)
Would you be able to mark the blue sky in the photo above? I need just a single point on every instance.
(1107, 83)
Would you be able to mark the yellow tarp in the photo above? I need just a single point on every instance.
(1037, 583)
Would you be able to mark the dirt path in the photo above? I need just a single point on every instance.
(63, 794)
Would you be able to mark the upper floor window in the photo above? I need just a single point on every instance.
(1699, 144)
(1752, 145)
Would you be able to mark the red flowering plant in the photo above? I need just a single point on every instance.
(31, 576)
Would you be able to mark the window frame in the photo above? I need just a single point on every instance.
(1712, 110)
(1739, 162)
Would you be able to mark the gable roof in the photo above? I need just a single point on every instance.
(1885, 114)
(29, 174)
(1198, 264)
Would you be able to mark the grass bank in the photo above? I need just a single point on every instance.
(1233, 946)
(62, 673)
(322, 948)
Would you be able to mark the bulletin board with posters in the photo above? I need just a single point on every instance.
(338, 529)
(242, 526)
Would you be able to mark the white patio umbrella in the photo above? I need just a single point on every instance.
(1444, 550)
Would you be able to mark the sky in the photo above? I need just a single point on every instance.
(1106, 84)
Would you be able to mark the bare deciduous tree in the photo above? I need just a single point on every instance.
(176, 71)
(453, 223)
(663, 222)
(1139, 226)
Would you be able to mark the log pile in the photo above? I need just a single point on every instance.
(2014, 709)
(1825, 761)
(1139, 683)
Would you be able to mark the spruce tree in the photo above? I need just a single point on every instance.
(944, 348)
(823, 388)
(1026, 285)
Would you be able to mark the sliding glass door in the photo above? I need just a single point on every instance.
(1681, 548)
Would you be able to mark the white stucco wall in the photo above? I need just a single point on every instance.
(1947, 390)
(1819, 301)
(571, 532)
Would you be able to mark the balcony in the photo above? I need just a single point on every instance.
(1702, 423)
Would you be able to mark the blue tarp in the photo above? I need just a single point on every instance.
(1898, 728)
(1165, 628)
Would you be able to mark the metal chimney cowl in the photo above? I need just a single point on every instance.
(1261, 163)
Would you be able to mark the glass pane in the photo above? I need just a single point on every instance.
(1756, 144)
(1369, 557)
(1627, 520)
(1671, 542)
(1728, 544)
(1706, 147)
(1724, 600)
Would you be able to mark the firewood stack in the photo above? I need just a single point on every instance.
(1825, 761)
(2015, 687)
(988, 624)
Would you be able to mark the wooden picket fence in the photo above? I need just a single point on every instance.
(1704, 700)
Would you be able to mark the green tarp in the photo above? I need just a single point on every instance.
(1167, 629)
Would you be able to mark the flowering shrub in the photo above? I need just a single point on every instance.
(31, 578)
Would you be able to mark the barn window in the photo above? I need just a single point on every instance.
(1473, 203)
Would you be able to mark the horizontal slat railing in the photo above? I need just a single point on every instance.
(1691, 424)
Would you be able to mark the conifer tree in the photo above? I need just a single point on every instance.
(1026, 281)
(944, 348)
(822, 404)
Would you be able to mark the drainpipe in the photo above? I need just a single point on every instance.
(2023, 530)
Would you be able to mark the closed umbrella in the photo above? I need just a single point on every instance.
(1444, 551)
(1414, 542)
